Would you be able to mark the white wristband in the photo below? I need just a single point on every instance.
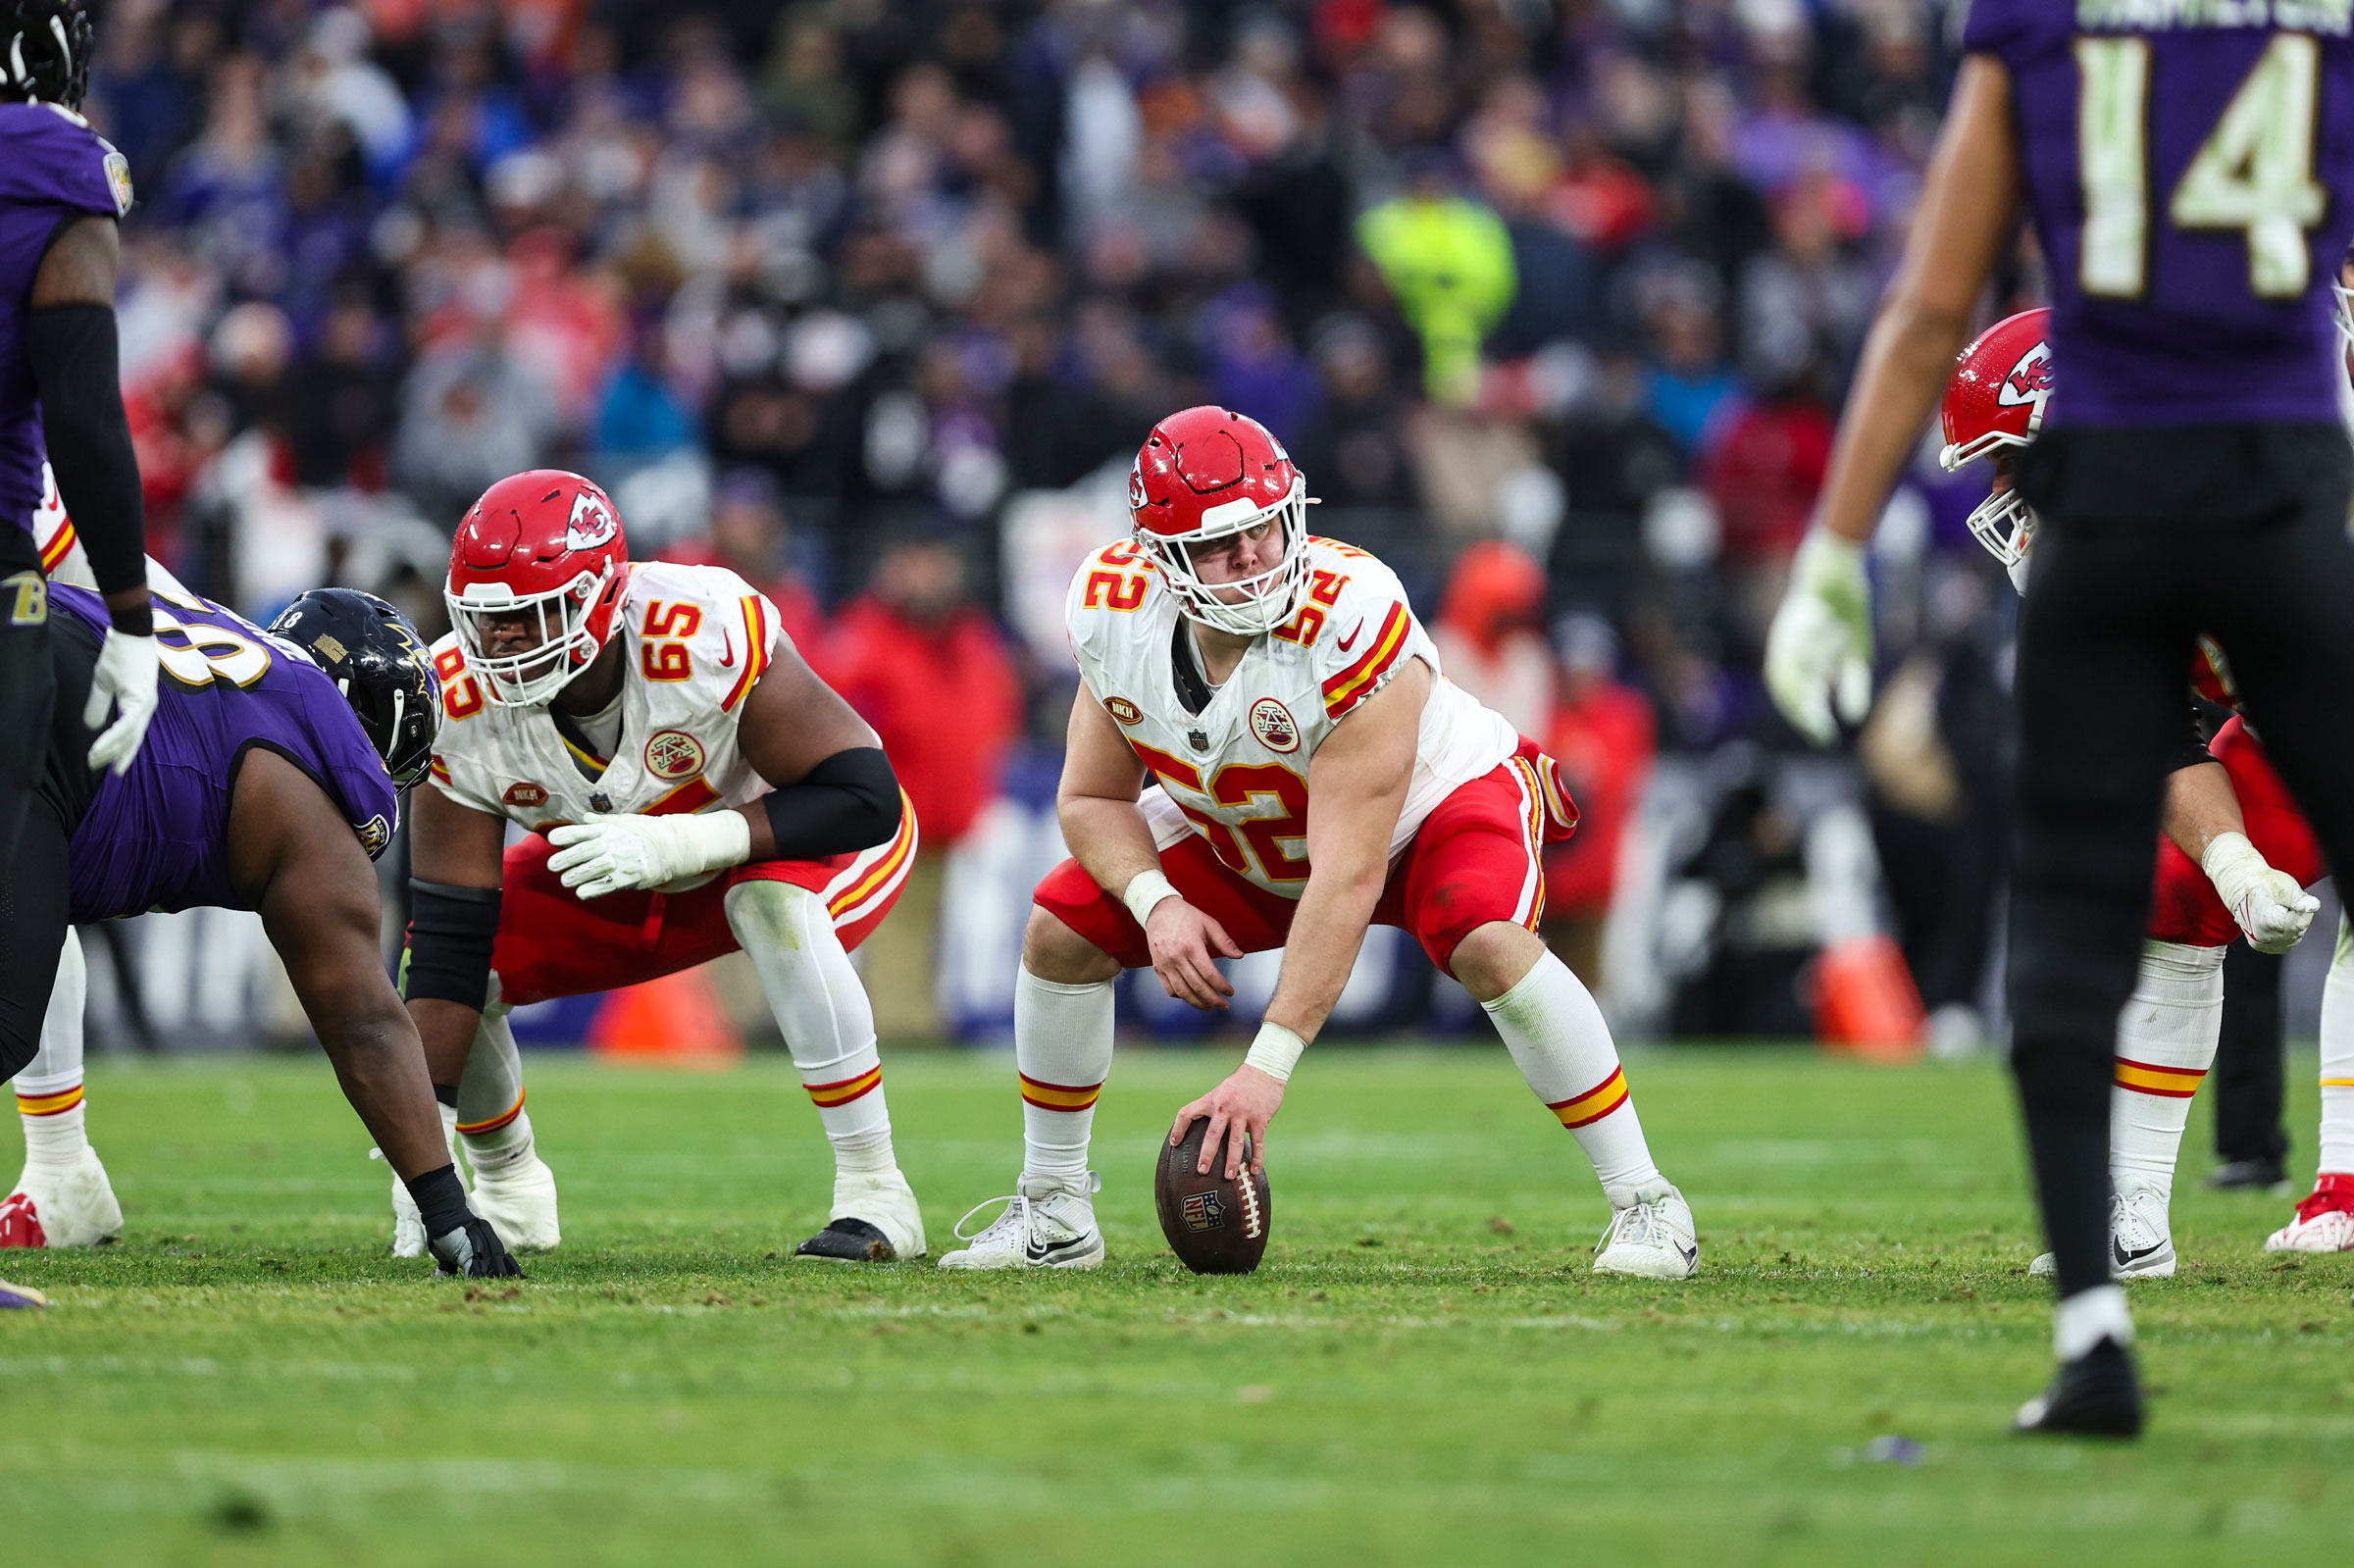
(716, 839)
(1145, 889)
(1275, 1052)
(2232, 863)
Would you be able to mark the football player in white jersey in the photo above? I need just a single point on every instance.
(690, 787)
(1265, 753)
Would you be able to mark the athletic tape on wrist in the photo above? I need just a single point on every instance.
(2232, 863)
(1144, 891)
(1275, 1052)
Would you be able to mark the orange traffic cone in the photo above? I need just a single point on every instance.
(1865, 1001)
(676, 1021)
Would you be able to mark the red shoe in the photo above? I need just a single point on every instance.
(2325, 1221)
(21, 1223)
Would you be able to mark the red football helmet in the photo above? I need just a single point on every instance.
(1996, 399)
(543, 544)
(1206, 473)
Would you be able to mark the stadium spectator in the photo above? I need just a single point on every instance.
(1603, 735)
(928, 667)
(1488, 637)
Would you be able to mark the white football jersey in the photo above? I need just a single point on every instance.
(1236, 773)
(694, 639)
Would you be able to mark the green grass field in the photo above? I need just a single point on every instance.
(1423, 1372)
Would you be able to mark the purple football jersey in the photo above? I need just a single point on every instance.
(2190, 172)
(156, 836)
(52, 167)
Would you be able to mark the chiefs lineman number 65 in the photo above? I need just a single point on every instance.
(690, 787)
(1264, 754)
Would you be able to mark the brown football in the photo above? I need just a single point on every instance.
(1214, 1226)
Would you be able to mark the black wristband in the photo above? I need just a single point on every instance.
(452, 933)
(849, 801)
(441, 1201)
(78, 371)
(132, 620)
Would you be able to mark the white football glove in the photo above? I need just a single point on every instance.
(2271, 908)
(614, 854)
(125, 678)
(1819, 650)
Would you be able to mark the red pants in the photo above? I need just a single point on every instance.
(2183, 906)
(553, 942)
(1477, 858)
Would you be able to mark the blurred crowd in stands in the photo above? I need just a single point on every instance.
(873, 300)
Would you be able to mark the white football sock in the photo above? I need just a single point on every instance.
(49, 1094)
(489, 1112)
(2088, 1317)
(2166, 1040)
(1562, 1048)
(822, 1010)
(1062, 1048)
(2337, 1058)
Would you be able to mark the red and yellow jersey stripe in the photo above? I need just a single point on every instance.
(1595, 1104)
(439, 768)
(1362, 678)
(1533, 828)
(881, 873)
(758, 635)
(57, 1104)
(692, 796)
(844, 1091)
(60, 544)
(2167, 1082)
(1059, 1096)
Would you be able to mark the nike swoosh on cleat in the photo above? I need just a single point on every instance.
(2124, 1257)
(1042, 1254)
(1346, 642)
(1691, 1253)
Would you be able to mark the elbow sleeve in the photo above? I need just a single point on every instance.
(452, 931)
(76, 368)
(849, 801)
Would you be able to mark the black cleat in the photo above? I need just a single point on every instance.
(847, 1241)
(2094, 1395)
(2248, 1175)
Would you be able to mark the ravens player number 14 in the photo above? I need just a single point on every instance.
(2189, 171)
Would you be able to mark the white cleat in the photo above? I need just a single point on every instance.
(62, 1205)
(874, 1220)
(408, 1231)
(1651, 1235)
(1046, 1225)
(520, 1202)
(2141, 1243)
(2323, 1223)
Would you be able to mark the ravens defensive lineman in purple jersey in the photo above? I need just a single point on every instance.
(62, 189)
(269, 779)
(2189, 171)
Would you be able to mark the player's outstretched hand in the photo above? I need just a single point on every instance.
(618, 853)
(123, 681)
(473, 1250)
(1184, 941)
(1819, 650)
(1247, 1101)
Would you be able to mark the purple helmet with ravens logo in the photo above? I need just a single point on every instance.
(379, 664)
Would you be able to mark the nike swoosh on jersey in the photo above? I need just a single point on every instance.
(727, 644)
(1346, 642)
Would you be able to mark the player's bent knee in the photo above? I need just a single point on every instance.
(1493, 958)
(1052, 952)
